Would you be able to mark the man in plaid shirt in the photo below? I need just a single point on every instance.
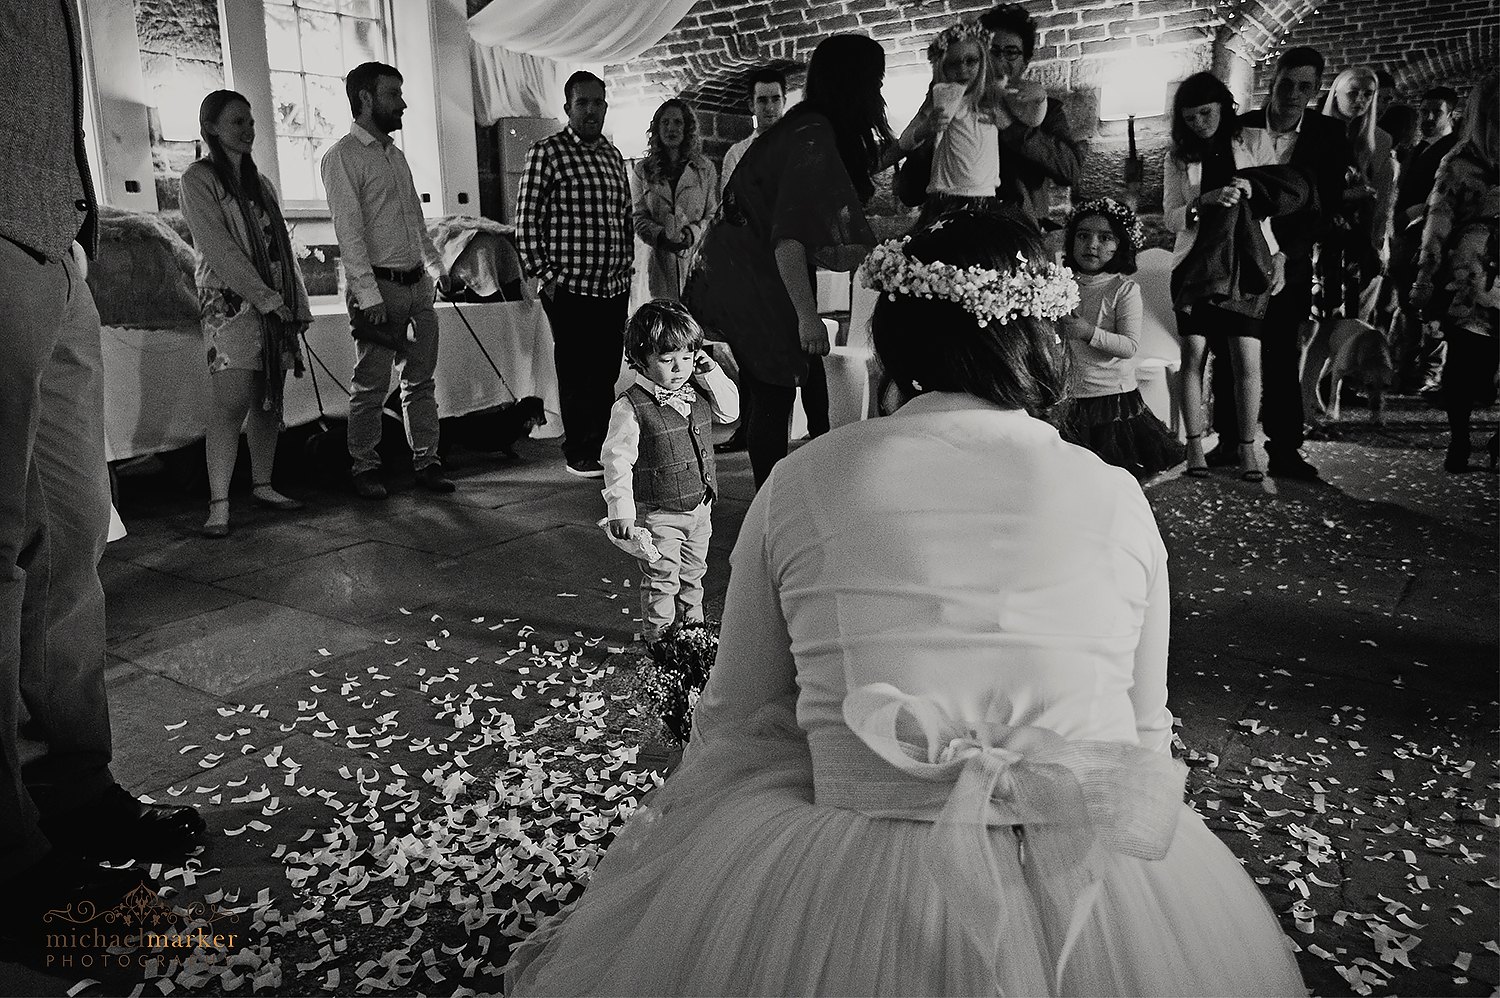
(575, 237)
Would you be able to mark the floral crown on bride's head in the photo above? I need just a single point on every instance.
(1037, 291)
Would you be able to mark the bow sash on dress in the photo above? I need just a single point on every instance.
(1091, 797)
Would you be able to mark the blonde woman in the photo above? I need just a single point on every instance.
(1360, 245)
(253, 300)
(676, 192)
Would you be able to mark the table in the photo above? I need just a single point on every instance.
(156, 383)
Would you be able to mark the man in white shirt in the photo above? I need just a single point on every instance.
(1282, 133)
(392, 268)
(767, 102)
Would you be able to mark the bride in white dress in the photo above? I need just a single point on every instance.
(933, 755)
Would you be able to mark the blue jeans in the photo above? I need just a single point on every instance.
(415, 367)
(54, 517)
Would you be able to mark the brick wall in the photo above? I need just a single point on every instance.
(719, 41)
(1422, 43)
(708, 55)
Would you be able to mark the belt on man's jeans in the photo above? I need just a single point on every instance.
(408, 277)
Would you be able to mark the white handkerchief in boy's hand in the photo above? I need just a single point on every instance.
(637, 545)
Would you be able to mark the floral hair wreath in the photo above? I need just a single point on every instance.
(1112, 209)
(1045, 291)
(963, 31)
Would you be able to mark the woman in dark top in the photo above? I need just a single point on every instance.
(793, 203)
(1199, 172)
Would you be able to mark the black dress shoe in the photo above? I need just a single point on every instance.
(1223, 455)
(1290, 464)
(432, 479)
(54, 909)
(1456, 461)
(115, 826)
(367, 485)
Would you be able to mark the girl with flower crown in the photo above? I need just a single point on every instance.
(1108, 415)
(959, 117)
(933, 756)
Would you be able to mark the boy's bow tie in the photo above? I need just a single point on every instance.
(685, 394)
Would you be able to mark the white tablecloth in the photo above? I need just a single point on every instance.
(156, 380)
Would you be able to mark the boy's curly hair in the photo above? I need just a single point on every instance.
(660, 326)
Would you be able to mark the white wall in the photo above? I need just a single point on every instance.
(119, 137)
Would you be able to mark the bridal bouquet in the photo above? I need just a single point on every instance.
(673, 677)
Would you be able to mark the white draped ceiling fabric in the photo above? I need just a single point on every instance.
(524, 50)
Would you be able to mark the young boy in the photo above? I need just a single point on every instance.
(658, 458)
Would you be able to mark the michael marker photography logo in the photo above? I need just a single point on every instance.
(139, 929)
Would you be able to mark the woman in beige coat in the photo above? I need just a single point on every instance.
(676, 193)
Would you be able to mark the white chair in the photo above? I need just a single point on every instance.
(1159, 358)
(851, 389)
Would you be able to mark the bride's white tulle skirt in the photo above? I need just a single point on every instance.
(733, 882)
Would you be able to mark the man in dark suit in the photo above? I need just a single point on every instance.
(1283, 133)
(1419, 359)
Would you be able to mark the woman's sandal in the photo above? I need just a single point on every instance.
(1197, 470)
(265, 495)
(213, 527)
(1249, 465)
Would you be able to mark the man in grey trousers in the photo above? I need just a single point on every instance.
(61, 811)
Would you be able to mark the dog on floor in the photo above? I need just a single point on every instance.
(1353, 351)
(497, 430)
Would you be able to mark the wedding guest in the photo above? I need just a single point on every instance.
(676, 192)
(1031, 153)
(1358, 244)
(1419, 357)
(1199, 172)
(67, 828)
(575, 235)
(767, 101)
(253, 299)
(795, 199)
(659, 472)
(960, 118)
(1106, 413)
(1282, 133)
(1456, 284)
(393, 268)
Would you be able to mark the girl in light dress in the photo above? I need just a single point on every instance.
(934, 752)
(1108, 415)
(959, 117)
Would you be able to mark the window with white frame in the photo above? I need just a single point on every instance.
(310, 46)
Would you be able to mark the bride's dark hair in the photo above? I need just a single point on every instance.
(934, 345)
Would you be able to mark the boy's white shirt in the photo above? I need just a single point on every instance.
(622, 443)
